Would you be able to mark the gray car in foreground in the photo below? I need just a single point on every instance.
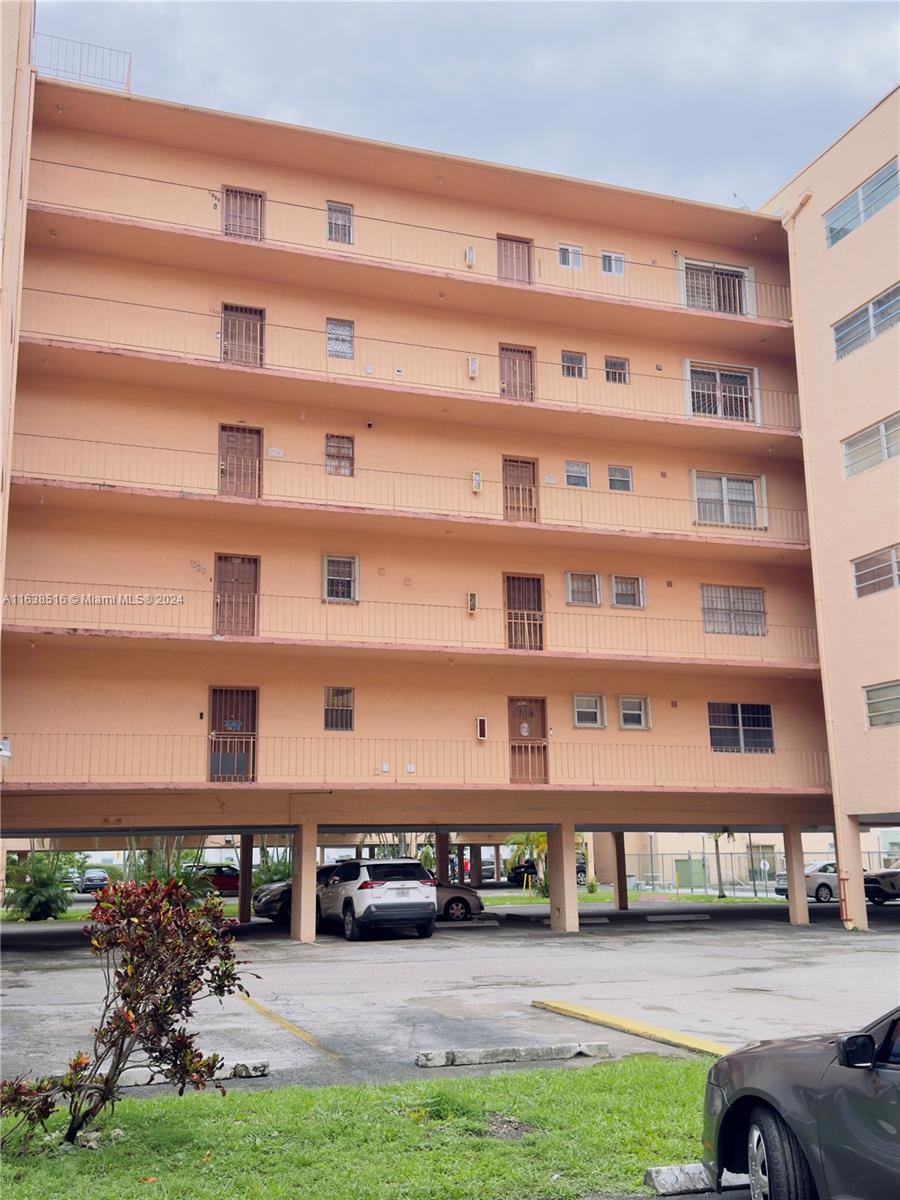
(810, 1118)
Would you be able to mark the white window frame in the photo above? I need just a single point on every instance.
(741, 747)
(620, 491)
(640, 591)
(880, 434)
(708, 613)
(354, 597)
(891, 571)
(329, 333)
(872, 333)
(587, 473)
(682, 262)
(600, 709)
(581, 603)
(646, 722)
(573, 253)
(694, 363)
(877, 687)
(617, 260)
(863, 213)
(573, 370)
(626, 371)
(760, 500)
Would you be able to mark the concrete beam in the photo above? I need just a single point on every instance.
(303, 883)
(563, 888)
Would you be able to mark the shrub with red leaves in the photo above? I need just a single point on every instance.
(159, 957)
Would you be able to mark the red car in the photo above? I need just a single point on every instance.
(222, 877)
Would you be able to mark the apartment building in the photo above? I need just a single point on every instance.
(356, 487)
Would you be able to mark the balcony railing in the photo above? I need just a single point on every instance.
(602, 760)
(183, 334)
(130, 608)
(81, 62)
(279, 223)
(197, 472)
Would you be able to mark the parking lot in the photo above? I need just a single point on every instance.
(338, 1012)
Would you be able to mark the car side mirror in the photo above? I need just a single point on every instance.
(856, 1050)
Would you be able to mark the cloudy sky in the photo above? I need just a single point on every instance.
(705, 100)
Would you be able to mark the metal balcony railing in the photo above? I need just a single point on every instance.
(462, 371)
(196, 472)
(81, 62)
(604, 759)
(209, 209)
(133, 608)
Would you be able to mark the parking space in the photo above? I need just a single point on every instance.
(338, 1011)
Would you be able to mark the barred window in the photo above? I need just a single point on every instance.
(721, 392)
(582, 587)
(877, 572)
(338, 454)
(866, 323)
(863, 203)
(578, 474)
(570, 256)
(741, 728)
(341, 574)
(619, 479)
(737, 610)
(626, 591)
(574, 364)
(616, 370)
(339, 708)
(339, 335)
(872, 446)
(590, 711)
(242, 213)
(340, 223)
(883, 704)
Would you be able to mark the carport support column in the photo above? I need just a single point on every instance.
(798, 903)
(620, 877)
(303, 882)
(563, 888)
(245, 879)
(850, 872)
(475, 866)
(498, 865)
(442, 856)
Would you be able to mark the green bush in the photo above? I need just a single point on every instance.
(38, 888)
(592, 885)
(273, 871)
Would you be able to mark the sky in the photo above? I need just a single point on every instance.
(715, 101)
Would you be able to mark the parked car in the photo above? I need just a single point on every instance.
(809, 1116)
(273, 900)
(72, 880)
(519, 872)
(93, 880)
(821, 882)
(366, 893)
(457, 902)
(222, 877)
(882, 886)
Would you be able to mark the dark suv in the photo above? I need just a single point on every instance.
(517, 874)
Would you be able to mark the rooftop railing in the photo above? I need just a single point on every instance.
(472, 371)
(81, 62)
(200, 473)
(604, 759)
(151, 609)
(250, 216)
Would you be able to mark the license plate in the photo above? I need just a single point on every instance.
(402, 891)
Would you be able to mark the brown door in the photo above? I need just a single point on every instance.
(232, 735)
(240, 461)
(519, 489)
(528, 740)
(524, 612)
(516, 373)
(242, 334)
(514, 259)
(237, 594)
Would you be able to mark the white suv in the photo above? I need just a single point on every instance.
(367, 892)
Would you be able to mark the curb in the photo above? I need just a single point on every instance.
(653, 1033)
(143, 1076)
(505, 1054)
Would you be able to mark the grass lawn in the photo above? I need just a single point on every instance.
(604, 896)
(596, 1128)
(82, 914)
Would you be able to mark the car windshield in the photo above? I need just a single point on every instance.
(385, 872)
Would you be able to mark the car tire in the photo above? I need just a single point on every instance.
(283, 916)
(318, 916)
(426, 930)
(823, 893)
(581, 877)
(457, 909)
(352, 931)
(775, 1160)
(879, 899)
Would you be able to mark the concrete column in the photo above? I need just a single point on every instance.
(620, 877)
(850, 870)
(460, 864)
(563, 888)
(442, 856)
(245, 881)
(798, 902)
(475, 867)
(498, 862)
(589, 864)
(303, 882)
